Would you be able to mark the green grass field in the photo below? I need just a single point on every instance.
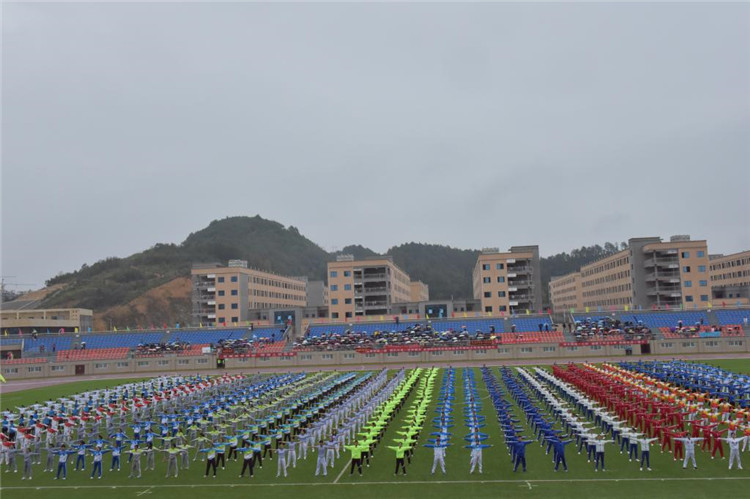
(622, 478)
(25, 397)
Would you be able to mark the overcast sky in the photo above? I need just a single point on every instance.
(475, 125)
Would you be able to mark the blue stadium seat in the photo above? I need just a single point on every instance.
(666, 319)
(732, 317)
(530, 324)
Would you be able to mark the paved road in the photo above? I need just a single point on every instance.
(27, 384)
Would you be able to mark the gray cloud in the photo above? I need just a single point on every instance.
(470, 125)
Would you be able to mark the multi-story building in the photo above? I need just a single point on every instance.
(226, 294)
(649, 273)
(419, 291)
(369, 286)
(317, 294)
(508, 282)
(730, 278)
(607, 282)
(55, 320)
(565, 292)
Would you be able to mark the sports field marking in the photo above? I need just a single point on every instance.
(341, 474)
(528, 483)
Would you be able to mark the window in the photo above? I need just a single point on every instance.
(334, 301)
(202, 361)
(142, 362)
(667, 345)
(701, 254)
(485, 266)
(58, 368)
(348, 355)
(183, 361)
(500, 278)
(233, 278)
(163, 362)
(701, 268)
(328, 356)
(334, 273)
(703, 282)
(347, 287)
(486, 280)
(704, 297)
(347, 273)
(502, 308)
(221, 306)
(526, 350)
(234, 306)
(123, 364)
(348, 314)
(347, 301)
(235, 319)
(499, 266)
(488, 309)
(221, 292)
(685, 254)
(221, 279)
(222, 319)
(234, 292)
(548, 349)
(686, 269)
(334, 287)
(688, 284)
(35, 369)
(689, 298)
(487, 294)
(334, 315)
(688, 344)
(501, 294)
(100, 366)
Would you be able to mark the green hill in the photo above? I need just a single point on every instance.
(263, 243)
(268, 245)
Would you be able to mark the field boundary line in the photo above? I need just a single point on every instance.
(413, 482)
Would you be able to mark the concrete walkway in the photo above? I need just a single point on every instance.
(27, 384)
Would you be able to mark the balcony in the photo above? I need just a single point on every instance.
(521, 297)
(520, 269)
(667, 263)
(664, 276)
(674, 292)
(374, 277)
(380, 304)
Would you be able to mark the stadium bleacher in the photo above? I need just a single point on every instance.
(203, 337)
(733, 317)
(472, 325)
(666, 319)
(529, 324)
(56, 341)
(95, 354)
(117, 340)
